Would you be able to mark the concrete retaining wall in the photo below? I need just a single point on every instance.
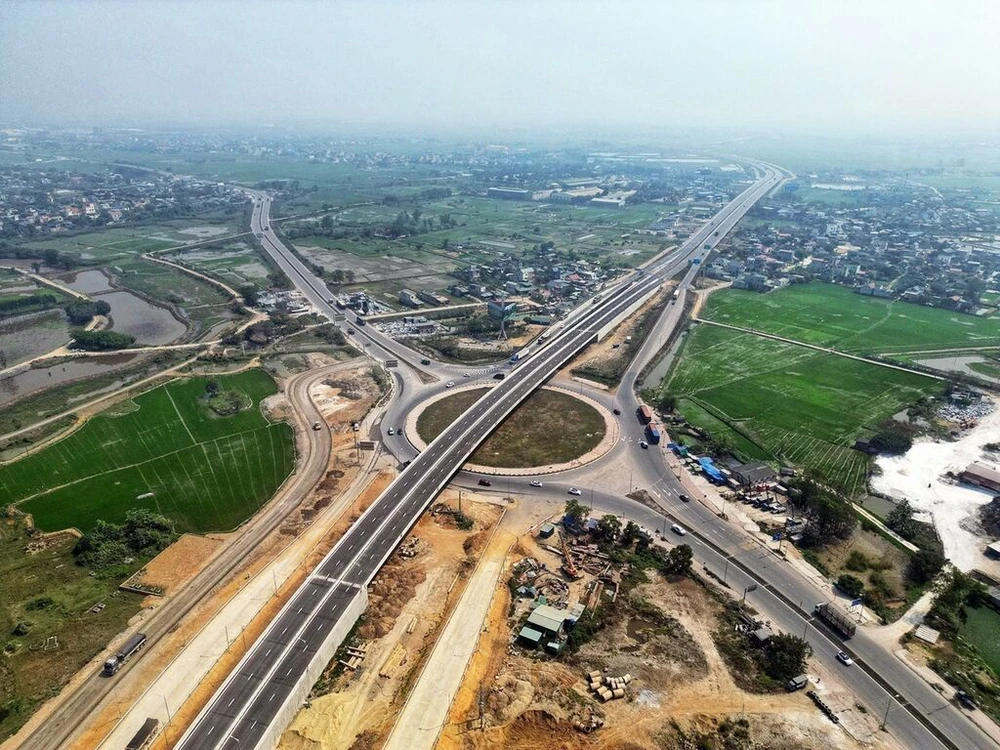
(319, 661)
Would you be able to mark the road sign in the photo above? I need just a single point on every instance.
(751, 587)
(392, 363)
(776, 537)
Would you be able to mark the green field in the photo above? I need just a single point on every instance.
(549, 428)
(45, 595)
(206, 472)
(980, 629)
(793, 403)
(834, 316)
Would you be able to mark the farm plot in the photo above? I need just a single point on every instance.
(171, 453)
(831, 315)
(797, 404)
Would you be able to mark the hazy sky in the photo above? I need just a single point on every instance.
(861, 65)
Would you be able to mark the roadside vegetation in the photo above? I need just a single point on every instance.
(967, 655)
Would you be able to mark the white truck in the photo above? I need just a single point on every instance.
(135, 642)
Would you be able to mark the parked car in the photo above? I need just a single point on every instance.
(677, 529)
(485, 483)
(399, 430)
(844, 658)
(535, 483)
(574, 491)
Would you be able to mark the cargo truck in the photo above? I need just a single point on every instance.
(653, 430)
(135, 642)
(836, 618)
(518, 356)
(645, 414)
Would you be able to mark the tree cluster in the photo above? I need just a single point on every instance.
(110, 545)
(81, 311)
(28, 303)
(830, 517)
(100, 341)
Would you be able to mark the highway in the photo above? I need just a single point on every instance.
(56, 729)
(240, 713)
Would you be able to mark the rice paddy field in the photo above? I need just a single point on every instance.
(834, 316)
(787, 402)
(166, 450)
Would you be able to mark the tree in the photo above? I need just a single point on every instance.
(850, 585)
(891, 440)
(925, 565)
(667, 402)
(678, 560)
(609, 527)
(576, 511)
(786, 656)
(900, 519)
(630, 533)
(326, 222)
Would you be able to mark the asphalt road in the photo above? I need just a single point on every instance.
(240, 713)
(58, 728)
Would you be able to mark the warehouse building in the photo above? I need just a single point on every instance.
(982, 475)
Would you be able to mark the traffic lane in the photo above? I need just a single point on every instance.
(804, 593)
(783, 617)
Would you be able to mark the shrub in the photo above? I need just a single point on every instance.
(850, 585)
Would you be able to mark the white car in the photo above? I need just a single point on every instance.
(679, 530)
(844, 658)
(466, 375)
(535, 483)
(392, 431)
(450, 384)
(574, 491)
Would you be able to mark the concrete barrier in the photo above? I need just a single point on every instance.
(320, 659)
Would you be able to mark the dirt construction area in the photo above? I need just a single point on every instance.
(356, 700)
(679, 691)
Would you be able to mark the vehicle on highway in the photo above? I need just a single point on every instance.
(643, 444)
(485, 483)
(425, 361)
(350, 331)
(499, 376)
(466, 375)
(392, 431)
(684, 498)
(399, 430)
(316, 425)
(450, 384)
(616, 411)
(126, 652)
(574, 491)
(844, 658)
(677, 529)
(535, 483)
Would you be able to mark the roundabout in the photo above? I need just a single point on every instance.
(554, 430)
